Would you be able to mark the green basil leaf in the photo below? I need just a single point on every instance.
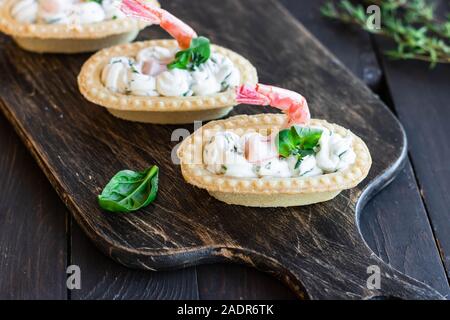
(285, 143)
(306, 137)
(201, 49)
(199, 52)
(181, 61)
(299, 141)
(129, 191)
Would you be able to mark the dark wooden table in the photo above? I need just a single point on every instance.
(407, 224)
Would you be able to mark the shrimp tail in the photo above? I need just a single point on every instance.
(250, 95)
(179, 30)
(289, 102)
(136, 9)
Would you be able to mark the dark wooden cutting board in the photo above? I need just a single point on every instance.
(316, 250)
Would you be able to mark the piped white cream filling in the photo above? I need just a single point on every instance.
(255, 156)
(124, 75)
(65, 11)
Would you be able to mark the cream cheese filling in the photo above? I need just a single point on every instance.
(255, 156)
(147, 74)
(65, 11)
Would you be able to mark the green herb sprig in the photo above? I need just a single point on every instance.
(412, 25)
(129, 191)
(298, 141)
(189, 59)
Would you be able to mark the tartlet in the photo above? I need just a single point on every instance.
(68, 38)
(268, 192)
(159, 109)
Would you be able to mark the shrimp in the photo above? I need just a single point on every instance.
(258, 148)
(53, 6)
(179, 30)
(291, 103)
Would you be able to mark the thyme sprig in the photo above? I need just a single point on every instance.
(412, 25)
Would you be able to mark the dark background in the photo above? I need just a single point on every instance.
(407, 224)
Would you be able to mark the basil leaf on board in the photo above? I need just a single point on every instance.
(129, 191)
(198, 53)
(298, 141)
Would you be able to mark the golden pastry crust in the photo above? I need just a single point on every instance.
(103, 29)
(91, 86)
(325, 186)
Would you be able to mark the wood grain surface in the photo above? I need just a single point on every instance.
(33, 227)
(396, 215)
(317, 250)
(102, 279)
(353, 47)
(425, 117)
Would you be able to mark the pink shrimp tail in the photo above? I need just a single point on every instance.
(291, 103)
(250, 95)
(136, 9)
(174, 26)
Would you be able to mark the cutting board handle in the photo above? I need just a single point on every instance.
(368, 277)
(361, 275)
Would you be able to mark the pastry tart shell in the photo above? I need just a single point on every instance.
(68, 38)
(268, 192)
(159, 110)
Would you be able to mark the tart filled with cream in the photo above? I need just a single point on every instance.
(273, 160)
(65, 11)
(151, 73)
(165, 81)
(253, 155)
(67, 26)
